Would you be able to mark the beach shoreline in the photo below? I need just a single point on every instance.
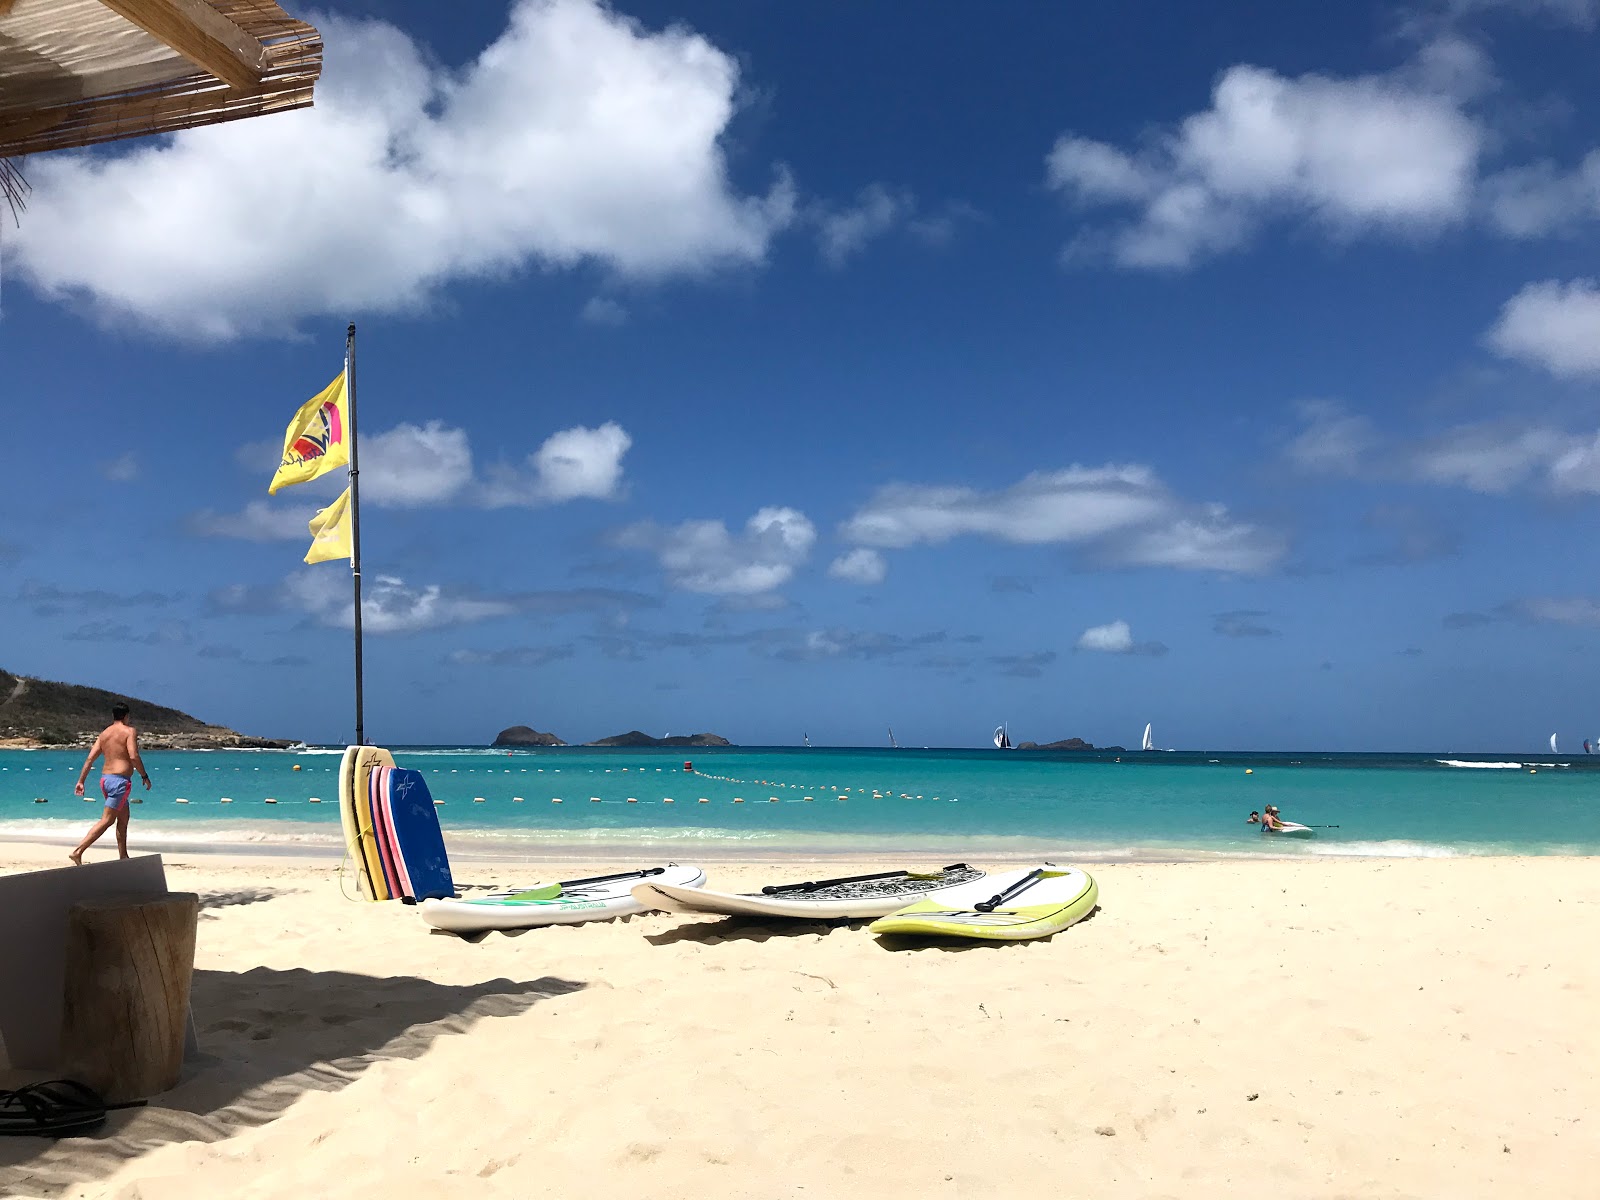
(1318, 1028)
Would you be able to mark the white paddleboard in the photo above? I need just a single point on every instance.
(574, 902)
(1293, 829)
(858, 896)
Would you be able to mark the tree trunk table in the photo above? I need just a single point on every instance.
(125, 1015)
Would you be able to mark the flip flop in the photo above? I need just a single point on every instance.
(54, 1108)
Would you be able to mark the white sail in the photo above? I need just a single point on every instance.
(1553, 749)
(893, 745)
(806, 738)
(1149, 742)
(999, 736)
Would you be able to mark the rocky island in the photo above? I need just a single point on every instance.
(1065, 744)
(680, 742)
(39, 713)
(523, 735)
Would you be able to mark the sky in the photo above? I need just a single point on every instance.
(804, 369)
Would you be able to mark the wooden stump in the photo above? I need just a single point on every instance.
(129, 964)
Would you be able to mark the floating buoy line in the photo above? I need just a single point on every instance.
(809, 793)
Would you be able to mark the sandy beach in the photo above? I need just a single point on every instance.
(1330, 1028)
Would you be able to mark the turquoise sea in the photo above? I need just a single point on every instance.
(961, 803)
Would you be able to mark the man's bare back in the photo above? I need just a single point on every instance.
(119, 744)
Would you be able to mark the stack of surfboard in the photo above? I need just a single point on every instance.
(391, 829)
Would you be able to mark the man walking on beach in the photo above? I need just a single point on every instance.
(119, 742)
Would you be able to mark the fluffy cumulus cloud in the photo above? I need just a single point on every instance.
(1116, 637)
(1122, 514)
(860, 565)
(578, 135)
(575, 464)
(415, 466)
(1393, 153)
(1553, 325)
(705, 557)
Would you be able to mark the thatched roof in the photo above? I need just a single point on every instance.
(78, 72)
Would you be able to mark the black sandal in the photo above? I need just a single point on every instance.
(55, 1108)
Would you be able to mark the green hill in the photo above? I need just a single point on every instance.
(47, 713)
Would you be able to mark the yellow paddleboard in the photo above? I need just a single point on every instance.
(355, 815)
(1012, 906)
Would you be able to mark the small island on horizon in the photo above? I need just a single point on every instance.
(523, 735)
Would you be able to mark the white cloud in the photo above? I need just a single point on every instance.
(122, 469)
(1206, 541)
(843, 233)
(1494, 458)
(1113, 638)
(1542, 198)
(388, 604)
(1116, 637)
(261, 521)
(598, 310)
(577, 135)
(1391, 153)
(413, 466)
(1123, 512)
(859, 566)
(702, 556)
(1485, 458)
(1334, 442)
(577, 463)
(1553, 325)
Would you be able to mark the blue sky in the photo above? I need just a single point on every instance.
(766, 369)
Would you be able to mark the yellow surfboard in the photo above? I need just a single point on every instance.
(1012, 906)
(355, 815)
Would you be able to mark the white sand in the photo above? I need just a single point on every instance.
(1318, 1029)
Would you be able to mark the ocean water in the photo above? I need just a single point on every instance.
(960, 803)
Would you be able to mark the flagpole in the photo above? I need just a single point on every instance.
(355, 515)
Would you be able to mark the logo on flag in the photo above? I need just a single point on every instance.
(317, 440)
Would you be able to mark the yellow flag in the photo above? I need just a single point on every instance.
(318, 439)
(330, 531)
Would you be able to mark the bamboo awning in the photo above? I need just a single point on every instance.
(79, 72)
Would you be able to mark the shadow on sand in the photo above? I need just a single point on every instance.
(747, 929)
(237, 898)
(269, 1037)
(757, 929)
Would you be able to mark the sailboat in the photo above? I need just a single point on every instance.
(1149, 742)
(806, 738)
(1002, 739)
(893, 745)
(1553, 749)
